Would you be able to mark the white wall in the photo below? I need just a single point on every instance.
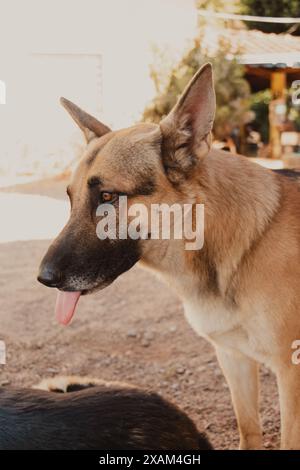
(121, 31)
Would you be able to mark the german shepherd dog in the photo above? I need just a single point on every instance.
(97, 415)
(241, 291)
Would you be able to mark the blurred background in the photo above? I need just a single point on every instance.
(123, 61)
(128, 60)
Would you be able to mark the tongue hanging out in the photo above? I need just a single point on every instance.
(65, 306)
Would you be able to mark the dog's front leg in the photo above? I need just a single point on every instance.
(241, 374)
(288, 379)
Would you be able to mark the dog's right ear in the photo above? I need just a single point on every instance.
(89, 125)
(187, 129)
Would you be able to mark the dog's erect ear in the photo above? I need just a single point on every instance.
(187, 128)
(90, 126)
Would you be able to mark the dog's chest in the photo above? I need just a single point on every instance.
(211, 319)
(229, 329)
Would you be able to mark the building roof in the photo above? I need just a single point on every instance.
(256, 47)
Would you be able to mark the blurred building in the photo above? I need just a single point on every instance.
(271, 61)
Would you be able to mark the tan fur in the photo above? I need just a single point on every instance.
(242, 290)
(62, 382)
(254, 317)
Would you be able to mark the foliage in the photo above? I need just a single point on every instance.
(259, 104)
(284, 8)
(293, 110)
(232, 89)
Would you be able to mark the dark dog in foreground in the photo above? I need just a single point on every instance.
(96, 415)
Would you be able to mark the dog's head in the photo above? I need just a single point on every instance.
(148, 163)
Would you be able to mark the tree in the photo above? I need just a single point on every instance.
(284, 8)
(232, 90)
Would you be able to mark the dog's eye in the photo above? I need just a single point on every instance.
(108, 197)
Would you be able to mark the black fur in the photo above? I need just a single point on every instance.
(72, 387)
(86, 263)
(99, 418)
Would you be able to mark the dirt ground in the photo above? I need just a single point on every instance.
(133, 331)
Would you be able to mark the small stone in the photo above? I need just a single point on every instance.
(175, 386)
(4, 382)
(180, 370)
(268, 444)
(145, 343)
(131, 334)
(105, 362)
(51, 370)
(218, 373)
(149, 335)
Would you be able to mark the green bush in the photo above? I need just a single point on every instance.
(232, 90)
(284, 8)
(259, 103)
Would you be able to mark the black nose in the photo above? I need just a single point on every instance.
(49, 276)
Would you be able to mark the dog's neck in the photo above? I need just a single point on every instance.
(240, 199)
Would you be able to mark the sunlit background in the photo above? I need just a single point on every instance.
(95, 52)
(124, 61)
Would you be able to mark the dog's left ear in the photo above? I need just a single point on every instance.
(187, 129)
(89, 125)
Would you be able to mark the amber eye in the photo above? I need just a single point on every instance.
(107, 197)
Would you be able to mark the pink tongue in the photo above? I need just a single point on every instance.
(65, 306)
